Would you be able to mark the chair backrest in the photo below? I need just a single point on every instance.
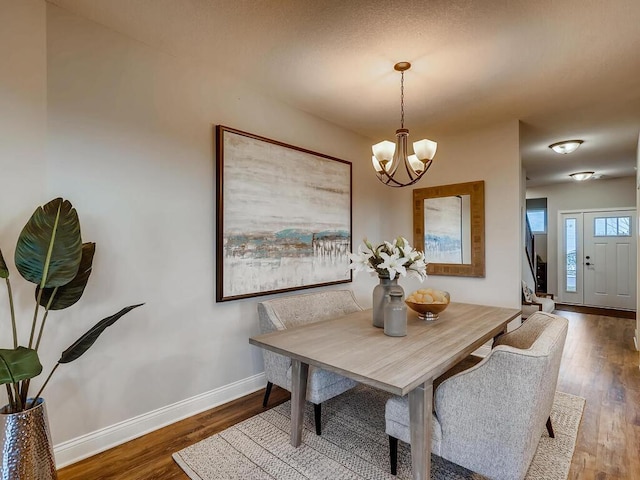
(502, 404)
(294, 310)
(287, 312)
(526, 334)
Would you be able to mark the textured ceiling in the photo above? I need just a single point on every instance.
(565, 68)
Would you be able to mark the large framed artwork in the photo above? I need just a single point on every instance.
(283, 217)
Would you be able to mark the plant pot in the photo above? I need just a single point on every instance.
(27, 452)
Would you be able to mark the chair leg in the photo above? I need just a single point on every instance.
(550, 428)
(317, 416)
(265, 400)
(393, 454)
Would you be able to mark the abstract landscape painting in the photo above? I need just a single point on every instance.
(284, 217)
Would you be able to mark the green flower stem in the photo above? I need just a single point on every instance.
(13, 314)
(12, 403)
(44, 318)
(35, 318)
(22, 393)
(18, 400)
(45, 384)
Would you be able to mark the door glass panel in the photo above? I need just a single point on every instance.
(612, 227)
(571, 243)
(624, 226)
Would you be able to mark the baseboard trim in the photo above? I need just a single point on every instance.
(92, 443)
(607, 312)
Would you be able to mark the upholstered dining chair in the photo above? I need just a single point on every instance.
(490, 417)
(295, 310)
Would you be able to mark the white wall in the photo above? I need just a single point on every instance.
(130, 143)
(612, 193)
(126, 134)
(23, 117)
(490, 154)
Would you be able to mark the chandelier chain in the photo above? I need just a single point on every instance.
(402, 100)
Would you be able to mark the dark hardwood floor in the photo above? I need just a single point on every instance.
(599, 364)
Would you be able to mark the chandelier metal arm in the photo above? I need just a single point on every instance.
(388, 180)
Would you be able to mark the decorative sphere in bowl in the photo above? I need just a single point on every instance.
(428, 302)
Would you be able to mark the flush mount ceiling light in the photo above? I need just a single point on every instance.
(388, 155)
(567, 146)
(582, 176)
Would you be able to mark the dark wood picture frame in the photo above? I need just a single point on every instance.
(477, 220)
(283, 217)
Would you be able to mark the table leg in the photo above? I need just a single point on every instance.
(420, 406)
(299, 372)
(495, 339)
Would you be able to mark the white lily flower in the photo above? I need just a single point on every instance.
(360, 260)
(418, 269)
(414, 255)
(393, 264)
(393, 258)
(392, 245)
(405, 243)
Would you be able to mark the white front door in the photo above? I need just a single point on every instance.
(609, 259)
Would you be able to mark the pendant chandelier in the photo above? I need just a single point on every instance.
(387, 155)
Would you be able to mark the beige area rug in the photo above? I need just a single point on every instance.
(353, 445)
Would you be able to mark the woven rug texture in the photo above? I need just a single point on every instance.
(353, 445)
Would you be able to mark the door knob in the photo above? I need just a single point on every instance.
(589, 264)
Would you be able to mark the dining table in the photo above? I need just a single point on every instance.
(351, 346)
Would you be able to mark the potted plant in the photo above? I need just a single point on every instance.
(50, 254)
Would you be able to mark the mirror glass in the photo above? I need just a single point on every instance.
(448, 223)
(447, 227)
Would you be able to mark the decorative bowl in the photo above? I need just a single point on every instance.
(429, 311)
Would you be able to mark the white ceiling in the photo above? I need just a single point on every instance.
(565, 68)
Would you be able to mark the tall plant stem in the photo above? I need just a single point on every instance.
(13, 314)
(35, 318)
(24, 391)
(44, 385)
(18, 400)
(44, 318)
(12, 402)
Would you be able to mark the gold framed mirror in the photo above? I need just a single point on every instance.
(448, 226)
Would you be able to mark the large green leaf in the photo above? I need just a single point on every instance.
(85, 341)
(70, 293)
(49, 248)
(18, 364)
(4, 271)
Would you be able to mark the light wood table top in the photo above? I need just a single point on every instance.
(352, 346)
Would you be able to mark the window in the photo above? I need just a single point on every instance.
(537, 219)
(612, 227)
(571, 245)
